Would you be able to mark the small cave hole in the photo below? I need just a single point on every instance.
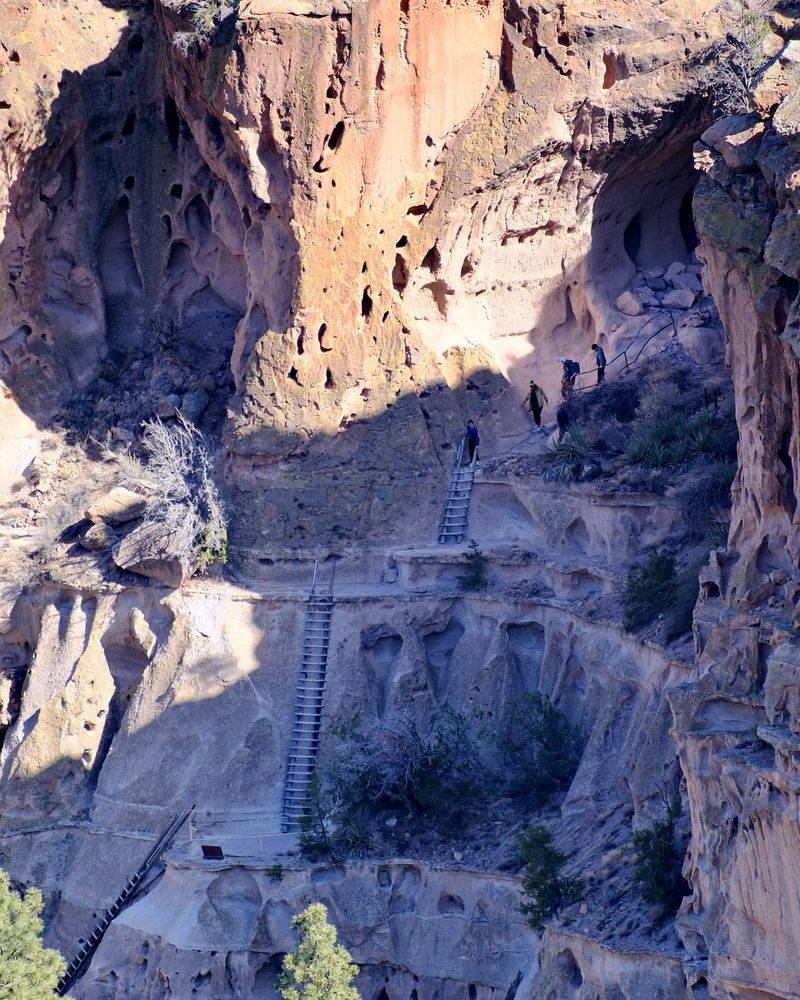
(564, 39)
(380, 76)
(294, 376)
(129, 124)
(402, 242)
(336, 136)
(405, 6)
(4, 106)
(467, 267)
(135, 45)
(172, 120)
(176, 190)
(128, 182)
(246, 217)
(400, 274)
(417, 210)
(428, 140)
(610, 127)
(366, 303)
(329, 383)
(432, 259)
(632, 237)
(569, 969)
(331, 92)
(215, 132)
(14, 57)
(610, 75)
(323, 344)
(167, 222)
(301, 337)
(686, 222)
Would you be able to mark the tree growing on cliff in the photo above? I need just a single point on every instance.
(28, 970)
(319, 969)
(182, 497)
(659, 866)
(541, 748)
(739, 59)
(546, 889)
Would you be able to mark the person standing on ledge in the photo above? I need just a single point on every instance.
(601, 362)
(473, 440)
(537, 400)
(569, 371)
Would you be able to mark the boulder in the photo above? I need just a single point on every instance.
(167, 407)
(680, 298)
(633, 302)
(118, 506)
(151, 551)
(98, 537)
(194, 403)
(737, 139)
(141, 636)
(675, 268)
(703, 344)
(687, 279)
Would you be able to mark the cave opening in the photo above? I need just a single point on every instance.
(172, 120)
(632, 238)
(686, 222)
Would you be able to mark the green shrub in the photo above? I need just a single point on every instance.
(28, 970)
(547, 890)
(670, 437)
(319, 968)
(570, 458)
(474, 576)
(542, 749)
(275, 872)
(436, 776)
(649, 590)
(658, 869)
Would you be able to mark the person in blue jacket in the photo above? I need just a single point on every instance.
(601, 362)
(473, 440)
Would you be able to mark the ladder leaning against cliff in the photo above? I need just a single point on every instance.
(308, 705)
(132, 887)
(456, 508)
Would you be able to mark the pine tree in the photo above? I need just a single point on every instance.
(28, 970)
(320, 969)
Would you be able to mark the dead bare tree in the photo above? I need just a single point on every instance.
(739, 59)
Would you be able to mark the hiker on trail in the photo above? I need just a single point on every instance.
(473, 440)
(570, 369)
(537, 400)
(601, 362)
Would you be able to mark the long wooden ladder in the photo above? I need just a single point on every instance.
(455, 517)
(308, 706)
(132, 887)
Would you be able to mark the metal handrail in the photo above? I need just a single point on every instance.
(624, 352)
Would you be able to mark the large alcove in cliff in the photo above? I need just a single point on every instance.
(643, 217)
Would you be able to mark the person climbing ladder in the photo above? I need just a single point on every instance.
(473, 440)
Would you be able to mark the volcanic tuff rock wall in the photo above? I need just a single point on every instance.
(352, 224)
(737, 723)
(371, 215)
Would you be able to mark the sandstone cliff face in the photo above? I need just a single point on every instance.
(332, 232)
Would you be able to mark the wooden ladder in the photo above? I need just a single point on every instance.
(133, 886)
(308, 707)
(455, 517)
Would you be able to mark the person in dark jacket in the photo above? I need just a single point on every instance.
(600, 354)
(537, 400)
(473, 440)
(570, 369)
